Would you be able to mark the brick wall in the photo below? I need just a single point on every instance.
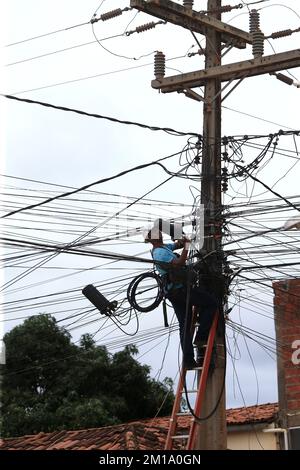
(287, 326)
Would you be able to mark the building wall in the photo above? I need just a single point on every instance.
(287, 326)
(250, 440)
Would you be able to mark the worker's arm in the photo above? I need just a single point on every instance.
(178, 244)
(182, 258)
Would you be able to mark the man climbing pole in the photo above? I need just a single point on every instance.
(182, 295)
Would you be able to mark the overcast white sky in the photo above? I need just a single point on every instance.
(67, 149)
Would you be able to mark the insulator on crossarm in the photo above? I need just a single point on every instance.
(199, 52)
(254, 21)
(159, 65)
(225, 8)
(111, 14)
(188, 3)
(258, 44)
(283, 78)
(281, 34)
(145, 27)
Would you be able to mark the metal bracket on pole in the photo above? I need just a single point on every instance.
(229, 47)
(232, 89)
(192, 94)
(222, 89)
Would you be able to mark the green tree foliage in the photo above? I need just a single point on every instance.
(51, 383)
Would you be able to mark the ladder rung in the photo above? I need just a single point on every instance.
(184, 414)
(192, 391)
(181, 436)
(194, 368)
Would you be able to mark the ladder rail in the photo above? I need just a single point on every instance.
(177, 402)
(176, 407)
(199, 397)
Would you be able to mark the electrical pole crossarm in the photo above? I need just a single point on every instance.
(247, 68)
(192, 20)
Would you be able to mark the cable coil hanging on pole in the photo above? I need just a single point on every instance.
(132, 292)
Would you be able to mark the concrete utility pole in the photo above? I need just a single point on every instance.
(212, 432)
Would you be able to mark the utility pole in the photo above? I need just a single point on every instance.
(212, 432)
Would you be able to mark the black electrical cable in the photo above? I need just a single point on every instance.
(99, 116)
(259, 282)
(246, 409)
(70, 245)
(274, 192)
(115, 342)
(132, 288)
(214, 409)
(212, 412)
(82, 188)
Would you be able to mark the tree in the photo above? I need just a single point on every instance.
(51, 383)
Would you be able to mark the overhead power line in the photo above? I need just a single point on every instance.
(255, 117)
(58, 51)
(139, 29)
(89, 77)
(104, 17)
(67, 247)
(111, 72)
(293, 206)
(47, 34)
(87, 186)
(154, 128)
(168, 130)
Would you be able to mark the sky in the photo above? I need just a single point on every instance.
(48, 146)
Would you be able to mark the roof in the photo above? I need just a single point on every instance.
(139, 435)
(136, 435)
(252, 414)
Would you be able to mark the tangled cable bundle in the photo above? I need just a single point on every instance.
(132, 288)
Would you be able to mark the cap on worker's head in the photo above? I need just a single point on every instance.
(152, 234)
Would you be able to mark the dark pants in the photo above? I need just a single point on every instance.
(207, 304)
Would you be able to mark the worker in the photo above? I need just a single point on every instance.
(182, 297)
